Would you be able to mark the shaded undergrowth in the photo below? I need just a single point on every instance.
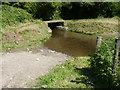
(92, 79)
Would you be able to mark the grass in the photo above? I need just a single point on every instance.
(93, 26)
(20, 31)
(12, 16)
(74, 73)
(29, 36)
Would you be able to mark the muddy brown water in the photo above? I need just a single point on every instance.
(71, 43)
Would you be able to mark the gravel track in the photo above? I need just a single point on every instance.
(20, 69)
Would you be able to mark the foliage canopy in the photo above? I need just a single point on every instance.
(69, 10)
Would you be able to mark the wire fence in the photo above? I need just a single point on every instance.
(108, 42)
(110, 45)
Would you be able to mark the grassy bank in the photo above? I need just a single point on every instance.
(12, 16)
(28, 35)
(77, 72)
(85, 72)
(74, 73)
(93, 26)
(20, 31)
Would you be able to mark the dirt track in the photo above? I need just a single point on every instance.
(20, 69)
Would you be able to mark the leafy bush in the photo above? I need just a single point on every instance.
(44, 10)
(12, 15)
(80, 10)
(69, 10)
(102, 62)
(15, 4)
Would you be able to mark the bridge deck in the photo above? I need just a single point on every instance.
(55, 21)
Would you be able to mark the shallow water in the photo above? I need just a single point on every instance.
(73, 44)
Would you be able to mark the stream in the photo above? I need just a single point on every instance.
(71, 43)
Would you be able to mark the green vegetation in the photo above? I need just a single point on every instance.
(44, 10)
(102, 63)
(21, 31)
(93, 26)
(30, 36)
(12, 16)
(71, 74)
(85, 72)
(87, 10)
(69, 10)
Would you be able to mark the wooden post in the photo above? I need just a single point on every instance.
(116, 55)
(98, 42)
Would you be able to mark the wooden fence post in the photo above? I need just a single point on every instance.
(98, 42)
(116, 55)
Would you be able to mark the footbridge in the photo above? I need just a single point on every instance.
(56, 24)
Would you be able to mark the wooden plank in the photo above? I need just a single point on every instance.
(98, 42)
(116, 55)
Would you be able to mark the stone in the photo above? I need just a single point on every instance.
(49, 31)
(52, 51)
(30, 51)
(41, 50)
(44, 86)
(61, 28)
(37, 59)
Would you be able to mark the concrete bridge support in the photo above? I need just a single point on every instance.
(57, 24)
